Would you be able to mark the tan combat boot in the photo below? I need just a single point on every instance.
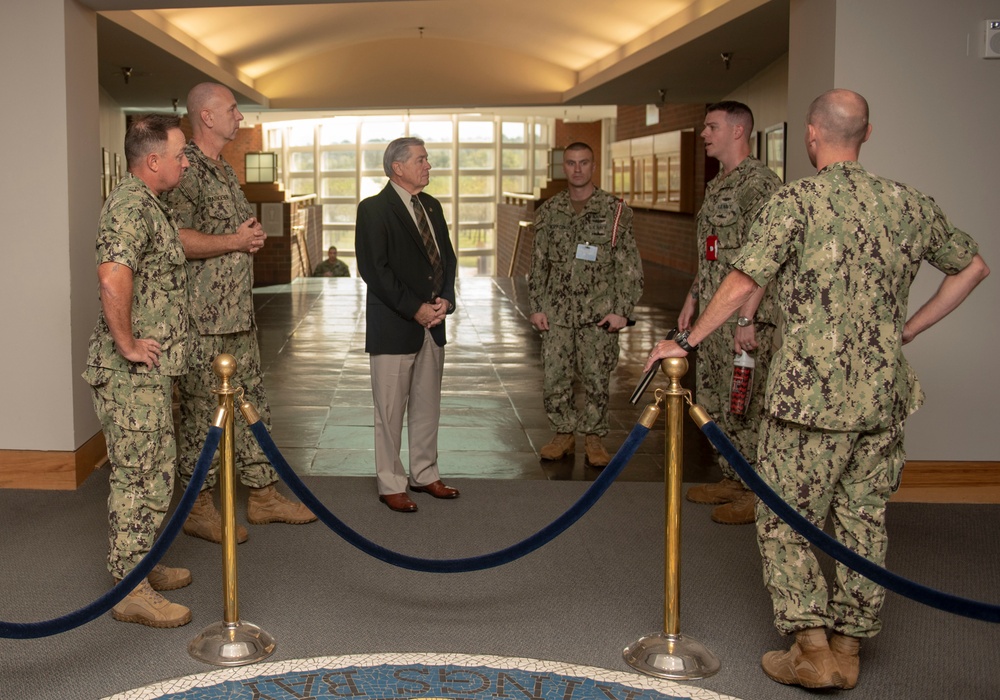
(266, 505)
(147, 607)
(725, 491)
(597, 456)
(205, 521)
(168, 578)
(845, 651)
(561, 445)
(808, 663)
(738, 512)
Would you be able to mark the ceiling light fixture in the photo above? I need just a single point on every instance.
(726, 58)
(126, 73)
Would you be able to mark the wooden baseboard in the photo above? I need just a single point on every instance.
(51, 471)
(949, 482)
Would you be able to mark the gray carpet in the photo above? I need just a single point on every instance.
(580, 599)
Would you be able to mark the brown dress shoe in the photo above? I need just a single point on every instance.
(436, 489)
(399, 502)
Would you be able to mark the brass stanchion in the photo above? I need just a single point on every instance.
(669, 654)
(231, 642)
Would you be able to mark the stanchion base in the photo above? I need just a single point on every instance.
(232, 644)
(672, 656)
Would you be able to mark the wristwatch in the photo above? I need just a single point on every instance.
(743, 321)
(682, 340)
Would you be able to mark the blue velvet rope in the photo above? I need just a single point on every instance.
(476, 563)
(893, 582)
(77, 618)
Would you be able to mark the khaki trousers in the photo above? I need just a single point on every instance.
(409, 384)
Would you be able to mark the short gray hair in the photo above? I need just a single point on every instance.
(398, 151)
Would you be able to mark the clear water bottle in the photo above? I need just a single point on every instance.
(739, 393)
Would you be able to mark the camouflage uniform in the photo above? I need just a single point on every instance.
(732, 203)
(842, 248)
(335, 269)
(575, 294)
(133, 401)
(209, 200)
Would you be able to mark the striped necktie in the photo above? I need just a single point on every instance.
(432, 251)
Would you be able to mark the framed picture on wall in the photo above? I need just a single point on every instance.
(105, 173)
(118, 168)
(774, 149)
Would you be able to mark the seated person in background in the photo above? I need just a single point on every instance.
(331, 267)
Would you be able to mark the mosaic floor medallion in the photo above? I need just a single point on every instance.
(424, 676)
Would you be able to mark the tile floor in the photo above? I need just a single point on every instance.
(316, 374)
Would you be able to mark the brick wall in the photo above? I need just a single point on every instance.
(249, 140)
(667, 238)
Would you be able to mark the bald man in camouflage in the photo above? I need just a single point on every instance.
(843, 248)
(220, 234)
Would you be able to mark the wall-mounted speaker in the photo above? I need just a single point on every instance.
(992, 46)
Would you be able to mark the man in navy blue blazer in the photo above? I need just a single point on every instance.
(405, 257)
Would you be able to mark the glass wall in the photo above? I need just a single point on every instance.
(474, 160)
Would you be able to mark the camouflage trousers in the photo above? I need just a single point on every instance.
(589, 353)
(198, 404)
(136, 418)
(848, 476)
(714, 380)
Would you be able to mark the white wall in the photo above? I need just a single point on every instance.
(934, 104)
(766, 94)
(50, 197)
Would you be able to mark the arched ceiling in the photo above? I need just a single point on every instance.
(399, 54)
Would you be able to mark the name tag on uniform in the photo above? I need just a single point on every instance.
(585, 251)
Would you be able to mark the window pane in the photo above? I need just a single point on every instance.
(372, 159)
(440, 185)
(339, 213)
(301, 185)
(475, 158)
(541, 159)
(475, 239)
(541, 133)
(476, 212)
(339, 160)
(477, 185)
(342, 238)
(476, 265)
(540, 181)
(301, 135)
(513, 132)
(432, 132)
(301, 162)
(272, 139)
(381, 132)
(339, 130)
(515, 160)
(475, 132)
(372, 185)
(514, 183)
(338, 187)
(439, 158)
